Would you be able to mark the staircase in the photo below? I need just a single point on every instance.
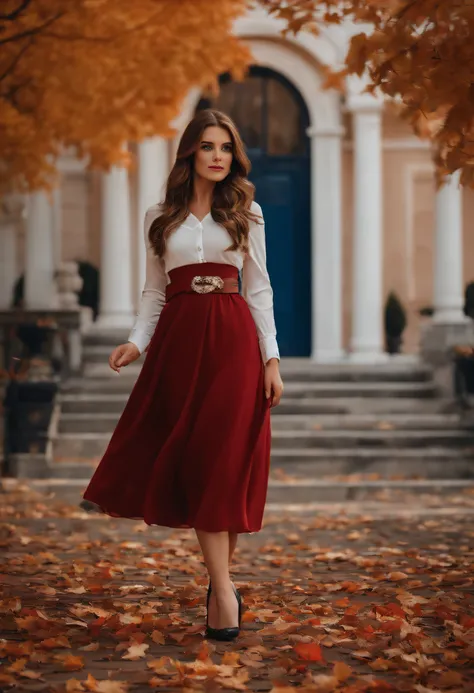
(341, 432)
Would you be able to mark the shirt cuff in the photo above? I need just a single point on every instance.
(269, 348)
(140, 340)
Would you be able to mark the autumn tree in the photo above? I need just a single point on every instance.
(420, 51)
(93, 74)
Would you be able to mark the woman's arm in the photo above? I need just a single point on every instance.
(153, 294)
(257, 290)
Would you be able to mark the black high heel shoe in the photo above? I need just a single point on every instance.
(224, 634)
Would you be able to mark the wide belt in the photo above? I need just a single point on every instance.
(203, 278)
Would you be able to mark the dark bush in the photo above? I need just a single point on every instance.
(395, 316)
(469, 300)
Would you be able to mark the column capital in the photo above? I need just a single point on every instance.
(363, 102)
(320, 130)
(358, 100)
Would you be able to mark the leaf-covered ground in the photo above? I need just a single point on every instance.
(336, 601)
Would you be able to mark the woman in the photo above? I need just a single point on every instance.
(192, 447)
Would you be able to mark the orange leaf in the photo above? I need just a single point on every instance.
(342, 671)
(136, 651)
(53, 643)
(158, 637)
(310, 651)
(395, 576)
(73, 662)
(380, 664)
(231, 658)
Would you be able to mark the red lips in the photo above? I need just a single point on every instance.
(217, 168)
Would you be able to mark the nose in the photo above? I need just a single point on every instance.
(217, 155)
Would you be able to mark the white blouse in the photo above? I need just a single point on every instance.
(206, 241)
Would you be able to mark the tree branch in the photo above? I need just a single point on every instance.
(11, 16)
(404, 10)
(31, 32)
(16, 59)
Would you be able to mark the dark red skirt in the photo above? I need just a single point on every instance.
(192, 446)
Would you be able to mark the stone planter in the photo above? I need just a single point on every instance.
(28, 408)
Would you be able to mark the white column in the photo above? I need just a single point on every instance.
(448, 254)
(40, 289)
(57, 225)
(116, 309)
(8, 262)
(153, 169)
(326, 232)
(367, 294)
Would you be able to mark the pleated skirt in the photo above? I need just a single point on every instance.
(192, 446)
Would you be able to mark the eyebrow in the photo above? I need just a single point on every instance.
(208, 142)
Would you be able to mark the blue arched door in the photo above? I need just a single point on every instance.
(272, 119)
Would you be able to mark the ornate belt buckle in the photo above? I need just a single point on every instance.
(204, 285)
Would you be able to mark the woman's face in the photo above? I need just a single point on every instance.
(213, 157)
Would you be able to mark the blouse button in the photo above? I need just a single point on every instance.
(199, 248)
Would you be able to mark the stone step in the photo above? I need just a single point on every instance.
(67, 446)
(372, 421)
(82, 422)
(100, 422)
(115, 402)
(102, 372)
(291, 370)
(109, 338)
(120, 384)
(345, 373)
(292, 390)
(361, 405)
(301, 491)
(91, 403)
(310, 490)
(79, 469)
(363, 389)
(397, 439)
(114, 385)
(93, 444)
(99, 353)
(425, 462)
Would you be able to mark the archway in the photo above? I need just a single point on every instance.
(273, 120)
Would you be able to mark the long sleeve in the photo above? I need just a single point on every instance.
(257, 289)
(153, 294)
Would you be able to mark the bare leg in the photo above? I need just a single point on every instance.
(215, 550)
(233, 536)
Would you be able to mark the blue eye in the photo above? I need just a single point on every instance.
(206, 146)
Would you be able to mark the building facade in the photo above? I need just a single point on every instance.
(348, 193)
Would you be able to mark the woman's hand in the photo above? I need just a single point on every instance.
(123, 355)
(273, 382)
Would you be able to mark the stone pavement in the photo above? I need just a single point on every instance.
(347, 598)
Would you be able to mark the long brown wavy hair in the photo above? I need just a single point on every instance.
(232, 196)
